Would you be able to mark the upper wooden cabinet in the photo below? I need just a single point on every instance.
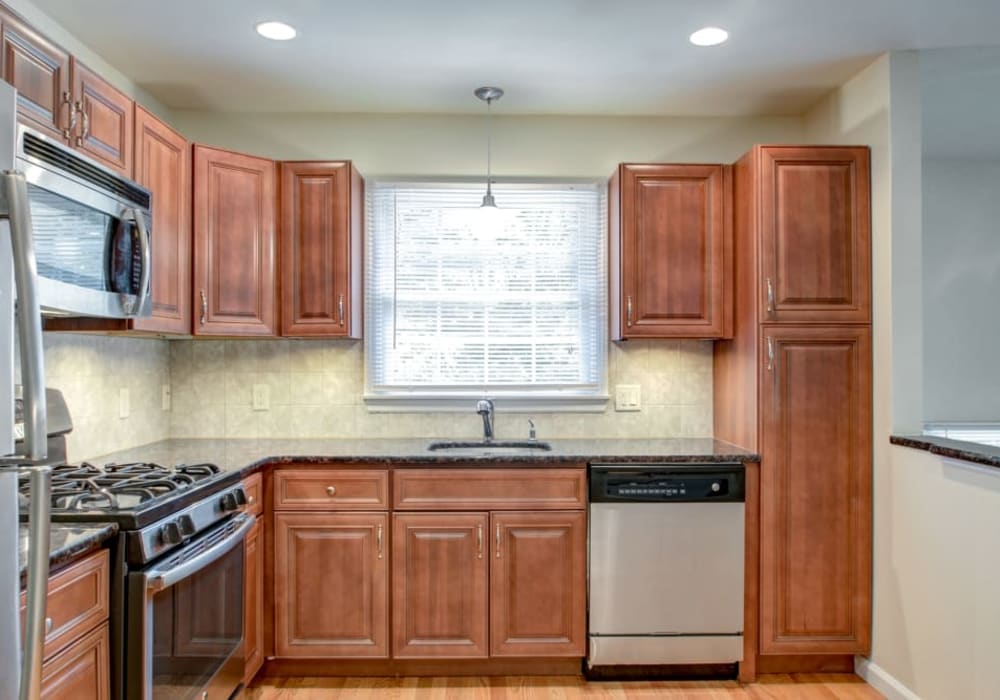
(234, 244)
(670, 252)
(814, 214)
(321, 229)
(62, 98)
(163, 166)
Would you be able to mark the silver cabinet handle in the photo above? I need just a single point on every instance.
(378, 540)
(331, 490)
(479, 541)
(48, 625)
(85, 127)
(770, 353)
(340, 309)
(251, 500)
(498, 540)
(68, 131)
(204, 308)
(628, 311)
(770, 297)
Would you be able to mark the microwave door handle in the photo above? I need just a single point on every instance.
(140, 224)
(160, 579)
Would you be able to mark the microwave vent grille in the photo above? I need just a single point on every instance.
(52, 154)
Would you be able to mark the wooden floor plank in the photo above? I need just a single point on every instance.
(802, 686)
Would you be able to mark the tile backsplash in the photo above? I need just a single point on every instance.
(316, 389)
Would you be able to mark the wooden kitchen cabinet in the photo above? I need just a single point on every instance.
(816, 490)
(670, 251)
(81, 671)
(253, 602)
(235, 281)
(439, 570)
(538, 584)
(331, 585)
(322, 205)
(815, 233)
(106, 120)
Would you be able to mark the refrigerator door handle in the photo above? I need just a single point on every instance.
(16, 209)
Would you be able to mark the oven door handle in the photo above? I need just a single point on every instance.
(157, 580)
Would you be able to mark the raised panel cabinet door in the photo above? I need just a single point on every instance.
(538, 584)
(815, 234)
(106, 120)
(816, 490)
(40, 71)
(320, 239)
(253, 603)
(235, 279)
(439, 585)
(81, 671)
(331, 585)
(675, 248)
(163, 166)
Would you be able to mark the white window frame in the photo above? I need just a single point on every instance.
(511, 398)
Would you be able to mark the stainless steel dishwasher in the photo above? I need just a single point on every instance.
(666, 564)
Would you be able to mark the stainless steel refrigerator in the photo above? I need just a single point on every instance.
(20, 326)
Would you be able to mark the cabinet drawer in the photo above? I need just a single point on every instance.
(489, 489)
(78, 601)
(255, 492)
(81, 671)
(331, 489)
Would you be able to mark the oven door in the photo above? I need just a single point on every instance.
(184, 627)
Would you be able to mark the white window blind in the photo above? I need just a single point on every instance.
(463, 302)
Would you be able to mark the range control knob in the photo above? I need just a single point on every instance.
(186, 525)
(170, 533)
(241, 496)
(716, 487)
(229, 502)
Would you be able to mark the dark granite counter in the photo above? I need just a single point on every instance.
(68, 542)
(955, 449)
(248, 456)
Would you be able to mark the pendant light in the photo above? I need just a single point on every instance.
(488, 95)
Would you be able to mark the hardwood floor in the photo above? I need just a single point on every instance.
(800, 686)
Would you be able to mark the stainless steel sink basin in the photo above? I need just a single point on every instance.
(492, 445)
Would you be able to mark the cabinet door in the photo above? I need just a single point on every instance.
(320, 249)
(439, 586)
(674, 254)
(538, 584)
(81, 671)
(331, 585)
(816, 472)
(163, 166)
(253, 603)
(815, 220)
(234, 257)
(40, 71)
(105, 130)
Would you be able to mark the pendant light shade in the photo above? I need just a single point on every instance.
(488, 95)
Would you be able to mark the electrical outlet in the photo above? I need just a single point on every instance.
(165, 397)
(123, 403)
(628, 397)
(261, 397)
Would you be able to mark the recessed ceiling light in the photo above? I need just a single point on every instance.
(709, 36)
(279, 31)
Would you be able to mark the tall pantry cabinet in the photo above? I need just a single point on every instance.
(794, 384)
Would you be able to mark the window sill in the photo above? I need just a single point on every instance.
(417, 403)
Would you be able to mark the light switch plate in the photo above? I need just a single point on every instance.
(628, 397)
(261, 397)
(123, 403)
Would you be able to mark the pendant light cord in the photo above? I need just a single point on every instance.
(489, 144)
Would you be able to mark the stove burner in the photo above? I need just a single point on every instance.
(119, 487)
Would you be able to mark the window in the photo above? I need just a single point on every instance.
(508, 302)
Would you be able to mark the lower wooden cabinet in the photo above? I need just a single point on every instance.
(538, 595)
(253, 603)
(79, 671)
(331, 585)
(439, 567)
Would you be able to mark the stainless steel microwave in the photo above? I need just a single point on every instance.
(91, 230)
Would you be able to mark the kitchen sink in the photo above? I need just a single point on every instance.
(492, 445)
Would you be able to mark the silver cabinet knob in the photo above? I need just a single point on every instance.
(331, 491)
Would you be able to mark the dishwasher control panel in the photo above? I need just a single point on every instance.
(667, 483)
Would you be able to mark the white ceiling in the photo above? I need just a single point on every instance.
(551, 56)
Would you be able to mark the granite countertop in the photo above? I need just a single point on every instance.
(975, 452)
(67, 542)
(248, 456)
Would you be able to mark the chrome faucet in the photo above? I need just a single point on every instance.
(485, 409)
